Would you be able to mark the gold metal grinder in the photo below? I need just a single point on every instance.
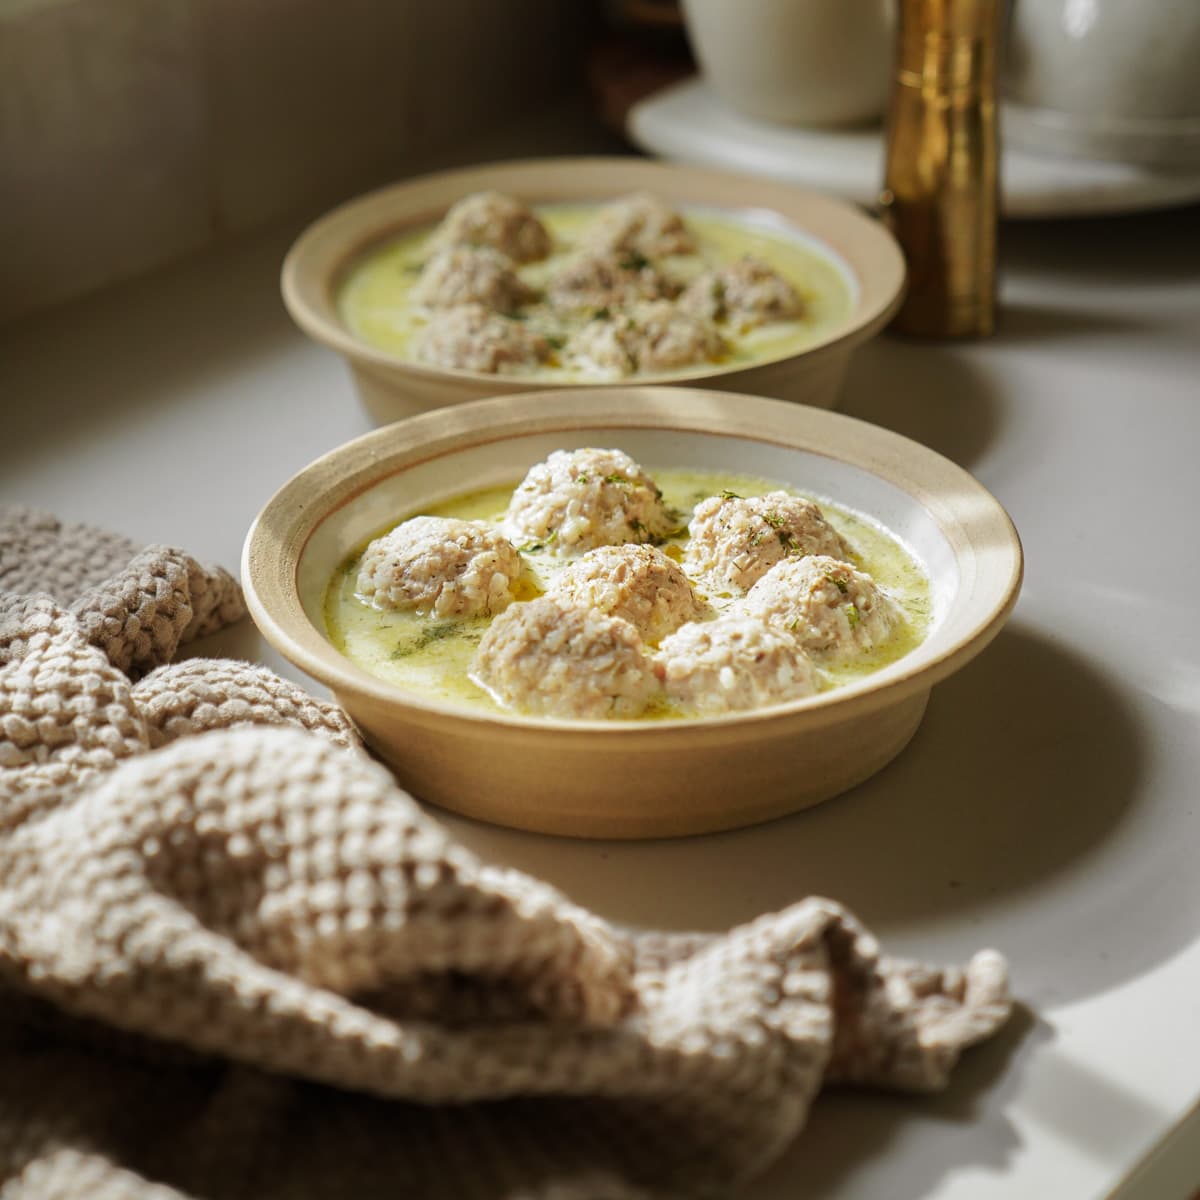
(941, 189)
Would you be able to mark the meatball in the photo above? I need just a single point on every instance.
(579, 499)
(547, 656)
(733, 663)
(745, 293)
(452, 568)
(492, 219)
(831, 609)
(639, 584)
(606, 280)
(473, 338)
(735, 541)
(652, 337)
(471, 275)
(640, 224)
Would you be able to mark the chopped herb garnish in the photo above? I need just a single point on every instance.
(852, 615)
(581, 478)
(728, 495)
(535, 546)
(602, 314)
(787, 541)
(773, 519)
(436, 632)
(840, 584)
(635, 260)
(555, 342)
(617, 479)
(756, 540)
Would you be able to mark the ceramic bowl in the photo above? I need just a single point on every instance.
(797, 62)
(1105, 79)
(635, 779)
(392, 388)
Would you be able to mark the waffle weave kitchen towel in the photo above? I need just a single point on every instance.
(237, 961)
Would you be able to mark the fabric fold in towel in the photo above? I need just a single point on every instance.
(237, 960)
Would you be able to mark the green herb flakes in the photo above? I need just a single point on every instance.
(436, 632)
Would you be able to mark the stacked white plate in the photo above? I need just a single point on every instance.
(688, 123)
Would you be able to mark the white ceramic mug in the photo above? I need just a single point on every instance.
(800, 62)
(1113, 79)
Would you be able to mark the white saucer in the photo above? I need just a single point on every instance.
(688, 123)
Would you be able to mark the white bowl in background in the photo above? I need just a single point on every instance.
(797, 62)
(1109, 79)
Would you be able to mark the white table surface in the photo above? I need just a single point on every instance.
(1048, 805)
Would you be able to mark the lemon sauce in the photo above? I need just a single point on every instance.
(374, 297)
(432, 656)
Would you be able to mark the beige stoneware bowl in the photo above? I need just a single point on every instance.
(391, 388)
(635, 779)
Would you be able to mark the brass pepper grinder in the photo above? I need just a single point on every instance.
(940, 186)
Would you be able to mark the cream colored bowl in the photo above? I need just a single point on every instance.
(866, 254)
(629, 778)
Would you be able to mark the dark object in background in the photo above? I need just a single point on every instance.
(644, 49)
(941, 189)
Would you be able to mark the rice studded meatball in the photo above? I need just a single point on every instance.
(735, 541)
(651, 337)
(495, 220)
(449, 567)
(745, 293)
(831, 609)
(732, 664)
(549, 656)
(471, 275)
(641, 224)
(473, 338)
(639, 584)
(577, 500)
(605, 281)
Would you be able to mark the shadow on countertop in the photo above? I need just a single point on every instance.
(1018, 817)
(1138, 250)
(928, 391)
(852, 1130)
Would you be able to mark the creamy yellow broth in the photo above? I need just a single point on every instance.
(374, 297)
(432, 655)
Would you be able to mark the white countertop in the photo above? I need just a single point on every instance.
(1048, 805)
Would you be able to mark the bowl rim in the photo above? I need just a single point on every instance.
(279, 535)
(323, 250)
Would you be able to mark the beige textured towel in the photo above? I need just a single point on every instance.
(236, 960)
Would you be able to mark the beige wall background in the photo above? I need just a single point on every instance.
(133, 132)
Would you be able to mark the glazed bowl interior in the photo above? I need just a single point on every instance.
(863, 253)
(591, 777)
(497, 463)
